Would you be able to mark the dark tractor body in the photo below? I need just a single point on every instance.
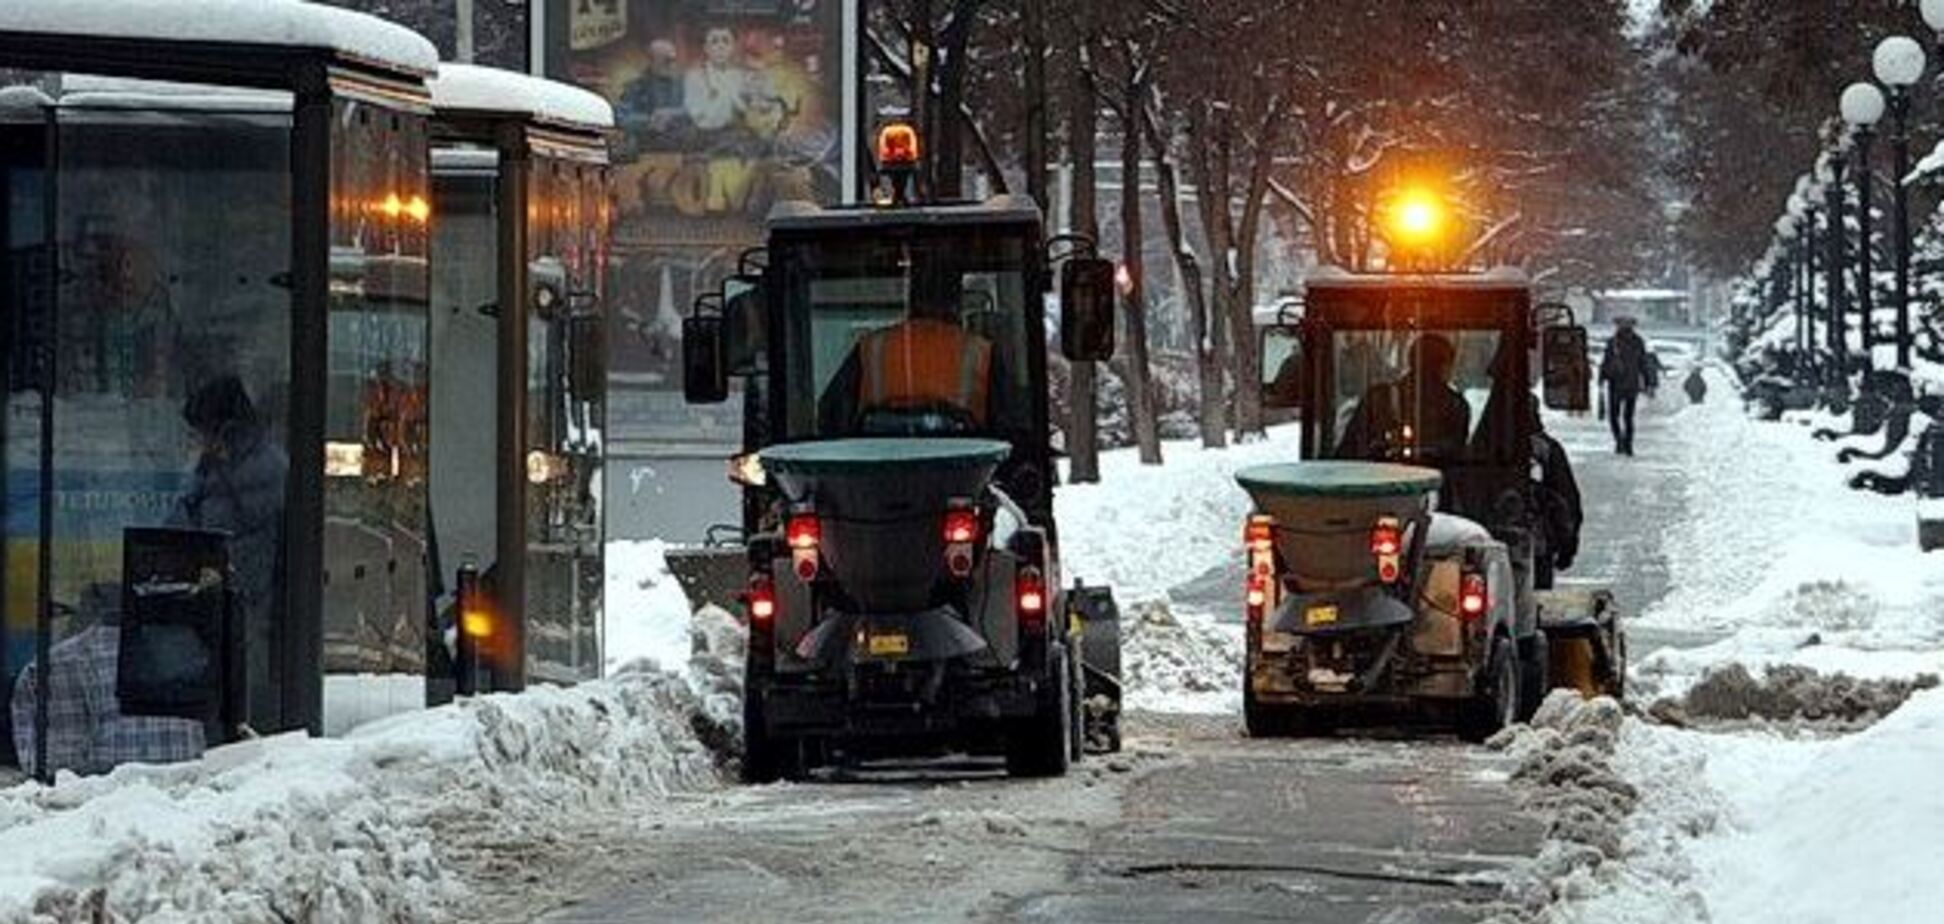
(904, 593)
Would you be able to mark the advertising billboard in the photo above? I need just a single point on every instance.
(724, 107)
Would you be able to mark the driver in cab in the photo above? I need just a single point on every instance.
(1419, 418)
(925, 375)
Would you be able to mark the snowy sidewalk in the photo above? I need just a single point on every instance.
(1781, 823)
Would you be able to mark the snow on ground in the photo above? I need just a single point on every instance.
(1143, 530)
(1146, 530)
(371, 827)
(1779, 549)
(1780, 821)
(647, 612)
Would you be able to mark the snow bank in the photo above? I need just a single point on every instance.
(1145, 529)
(1179, 662)
(1776, 829)
(1788, 693)
(647, 612)
(353, 829)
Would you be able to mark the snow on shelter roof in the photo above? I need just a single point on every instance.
(1331, 277)
(290, 23)
(491, 89)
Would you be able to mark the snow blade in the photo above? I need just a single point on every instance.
(1587, 648)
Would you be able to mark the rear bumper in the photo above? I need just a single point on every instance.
(963, 705)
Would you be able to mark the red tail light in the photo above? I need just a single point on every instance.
(1386, 538)
(760, 598)
(961, 526)
(805, 535)
(1387, 546)
(804, 532)
(1260, 534)
(1256, 596)
(1473, 598)
(1030, 591)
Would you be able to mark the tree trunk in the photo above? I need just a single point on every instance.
(955, 43)
(1210, 142)
(1083, 433)
(1211, 419)
(1248, 348)
(1138, 372)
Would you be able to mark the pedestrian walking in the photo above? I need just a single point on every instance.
(1625, 372)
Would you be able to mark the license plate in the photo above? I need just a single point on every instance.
(895, 643)
(1320, 615)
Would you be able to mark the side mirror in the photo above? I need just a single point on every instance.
(1087, 309)
(743, 324)
(705, 371)
(1566, 371)
(1282, 367)
(587, 356)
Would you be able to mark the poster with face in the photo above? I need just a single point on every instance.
(724, 108)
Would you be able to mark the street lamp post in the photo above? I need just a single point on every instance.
(1862, 109)
(1899, 64)
(1833, 261)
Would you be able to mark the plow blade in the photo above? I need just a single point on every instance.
(711, 575)
(1587, 649)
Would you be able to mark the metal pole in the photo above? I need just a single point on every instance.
(1866, 200)
(1900, 156)
(463, 32)
(1838, 298)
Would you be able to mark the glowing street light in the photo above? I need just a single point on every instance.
(1417, 217)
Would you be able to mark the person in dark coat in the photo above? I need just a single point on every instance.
(1420, 417)
(238, 488)
(1560, 511)
(1696, 386)
(1624, 371)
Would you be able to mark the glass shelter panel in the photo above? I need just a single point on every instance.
(376, 519)
(465, 340)
(567, 253)
(148, 375)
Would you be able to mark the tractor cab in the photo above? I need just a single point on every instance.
(1433, 371)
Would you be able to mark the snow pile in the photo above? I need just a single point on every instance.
(1769, 828)
(267, 22)
(1788, 693)
(1179, 662)
(647, 612)
(1145, 529)
(1565, 775)
(365, 828)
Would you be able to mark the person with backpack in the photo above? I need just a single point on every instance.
(1625, 372)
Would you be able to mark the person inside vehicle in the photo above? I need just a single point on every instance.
(1625, 373)
(86, 730)
(1557, 494)
(1420, 417)
(925, 375)
(238, 488)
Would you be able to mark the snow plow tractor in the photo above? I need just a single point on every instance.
(1405, 573)
(901, 575)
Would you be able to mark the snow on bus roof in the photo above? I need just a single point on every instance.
(291, 23)
(1331, 277)
(130, 93)
(491, 89)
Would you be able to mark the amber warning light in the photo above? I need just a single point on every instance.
(897, 146)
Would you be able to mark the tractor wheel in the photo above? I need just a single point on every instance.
(1496, 703)
(1535, 677)
(765, 759)
(1040, 745)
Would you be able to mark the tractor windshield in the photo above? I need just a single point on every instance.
(1430, 376)
(916, 335)
(1417, 395)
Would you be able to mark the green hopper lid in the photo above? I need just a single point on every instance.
(1338, 479)
(856, 456)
